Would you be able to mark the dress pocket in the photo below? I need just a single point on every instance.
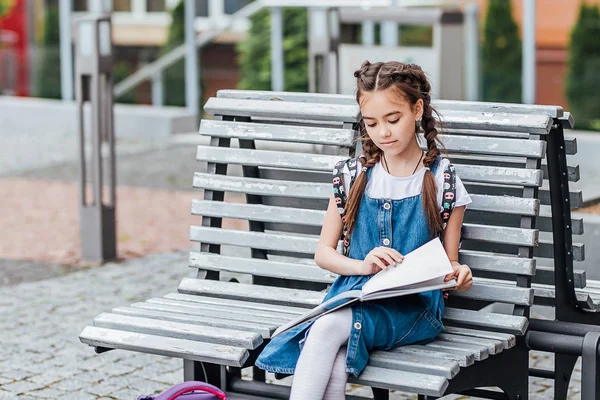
(423, 330)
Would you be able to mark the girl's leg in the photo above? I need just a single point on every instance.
(314, 367)
(336, 388)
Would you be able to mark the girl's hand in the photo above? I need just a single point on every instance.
(463, 275)
(379, 258)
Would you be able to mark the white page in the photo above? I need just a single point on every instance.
(428, 262)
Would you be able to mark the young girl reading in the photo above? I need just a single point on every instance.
(394, 205)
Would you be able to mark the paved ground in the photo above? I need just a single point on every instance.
(40, 321)
(44, 303)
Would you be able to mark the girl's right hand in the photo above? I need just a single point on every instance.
(379, 258)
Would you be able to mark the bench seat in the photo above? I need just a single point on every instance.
(220, 322)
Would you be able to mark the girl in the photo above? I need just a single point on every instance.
(393, 206)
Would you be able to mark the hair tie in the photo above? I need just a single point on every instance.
(427, 168)
(364, 169)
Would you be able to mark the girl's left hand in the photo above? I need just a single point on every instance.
(463, 275)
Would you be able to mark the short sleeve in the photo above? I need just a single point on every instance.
(462, 196)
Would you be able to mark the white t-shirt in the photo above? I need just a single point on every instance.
(382, 185)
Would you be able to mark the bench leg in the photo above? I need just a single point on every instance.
(209, 373)
(590, 368)
(380, 394)
(563, 368)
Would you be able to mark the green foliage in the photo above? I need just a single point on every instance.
(48, 74)
(583, 83)
(416, 35)
(501, 54)
(255, 51)
(174, 76)
(122, 70)
(5, 7)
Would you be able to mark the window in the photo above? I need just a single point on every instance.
(231, 6)
(155, 5)
(201, 8)
(122, 5)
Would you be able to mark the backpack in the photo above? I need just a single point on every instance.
(191, 390)
(339, 192)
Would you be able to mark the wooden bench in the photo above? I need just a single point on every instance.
(218, 327)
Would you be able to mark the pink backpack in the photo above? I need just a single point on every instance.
(192, 390)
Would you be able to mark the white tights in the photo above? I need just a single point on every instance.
(321, 368)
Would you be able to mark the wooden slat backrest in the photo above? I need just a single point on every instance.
(287, 191)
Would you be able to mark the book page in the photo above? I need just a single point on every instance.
(428, 262)
(341, 300)
(434, 284)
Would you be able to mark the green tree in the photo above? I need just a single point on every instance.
(583, 83)
(174, 76)
(501, 54)
(254, 52)
(48, 74)
(5, 6)
(122, 70)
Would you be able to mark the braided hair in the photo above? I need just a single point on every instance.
(408, 81)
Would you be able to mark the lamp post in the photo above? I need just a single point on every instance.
(93, 55)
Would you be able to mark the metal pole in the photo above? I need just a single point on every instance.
(368, 33)
(389, 30)
(528, 76)
(472, 52)
(277, 63)
(157, 89)
(191, 58)
(66, 52)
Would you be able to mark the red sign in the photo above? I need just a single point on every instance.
(14, 60)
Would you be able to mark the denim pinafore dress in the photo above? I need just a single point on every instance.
(380, 324)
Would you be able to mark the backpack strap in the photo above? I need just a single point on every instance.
(339, 193)
(449, 193)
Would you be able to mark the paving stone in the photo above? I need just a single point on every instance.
(22, 387)
(48, 393)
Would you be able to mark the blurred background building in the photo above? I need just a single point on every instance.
(143, 30)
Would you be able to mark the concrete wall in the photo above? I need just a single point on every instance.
(32, 115)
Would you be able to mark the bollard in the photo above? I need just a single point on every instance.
(93, 84)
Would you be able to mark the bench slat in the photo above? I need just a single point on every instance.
(479, 352)
(545, 275)
(282, 109)
(462, 144)
(508, 341)
(277, 132)
(311, 272)
(495, 293)
(290, 312)
(493, 346)
(404, 381)
(544, 222)
(233, 316)
(202, 307)
(228, 337)
(551, 111)
(261, 329)
(164, 346)
(322, 191)
(308, 244)
(257, 267)
(463, 360)
(258, 293)
(497, 262)
(408, 362)
(486, 321)
(325, 163)
(545, 249)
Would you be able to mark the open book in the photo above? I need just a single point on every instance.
(422, 270)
